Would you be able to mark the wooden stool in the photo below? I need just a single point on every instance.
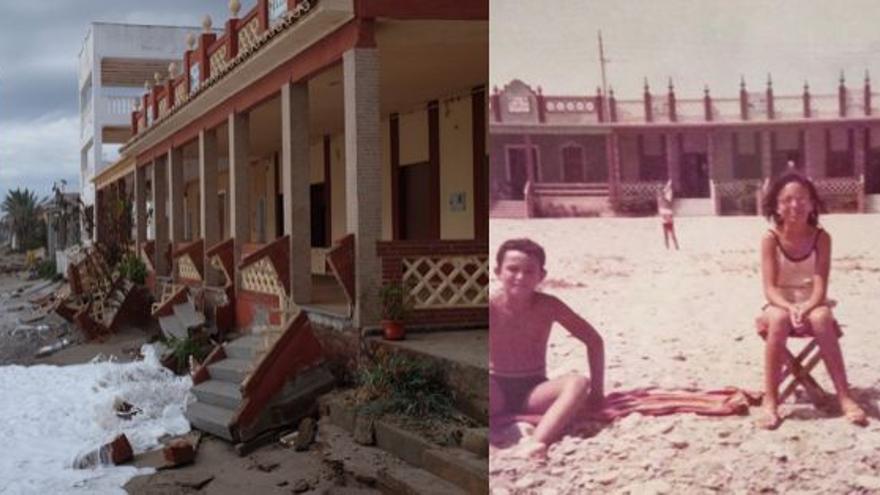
(797, 368)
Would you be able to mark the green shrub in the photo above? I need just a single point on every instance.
(394, 383)
(47, 269)
(395, 301)
(133, 268)
(182, 349)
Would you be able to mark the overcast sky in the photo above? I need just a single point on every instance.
(40, 41)
(696, 42)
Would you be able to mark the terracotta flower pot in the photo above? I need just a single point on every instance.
(393, 330)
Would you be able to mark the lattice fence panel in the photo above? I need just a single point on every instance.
(179, 94)
(648, 190)
(262, 278)
(186, 268)
(838, 186)
(736, 187)
(447, 282)
(218, 61)
(217, 263)
(248, 35)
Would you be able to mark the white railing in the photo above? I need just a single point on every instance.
(788, 107)
(277, 8)
(824, 106)
(725, 109)
(117, 105)
(630, 110)
(690, 110)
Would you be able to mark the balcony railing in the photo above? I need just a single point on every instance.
(213, 57)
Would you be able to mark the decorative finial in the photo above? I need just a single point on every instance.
(671, 87)
(135, 104)
(611, 91)
(842, 79)
(646, 85)
(206, 23)
(158, 78)
(706, 89)
(495, 89)
(539, 89)
(147, 86)
(172, 70)
(234, 7)
(742, 82)
(806, 87)
(769, 81)
(867, 77)
(191, 41)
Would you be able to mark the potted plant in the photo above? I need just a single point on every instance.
(395, 305)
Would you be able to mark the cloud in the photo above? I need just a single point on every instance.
(38, 152)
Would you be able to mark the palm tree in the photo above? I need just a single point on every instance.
(21, 207)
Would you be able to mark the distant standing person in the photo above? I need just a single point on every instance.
(664, 208)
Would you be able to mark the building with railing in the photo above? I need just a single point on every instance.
(592, 154)
(307, 154)
(114, 62)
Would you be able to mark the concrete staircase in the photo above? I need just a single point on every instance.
(221, 400)
(507, 208)
(218, 398)
(183, 319)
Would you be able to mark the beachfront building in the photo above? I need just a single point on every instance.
(306, 155)
(114, 61)
(560, 155)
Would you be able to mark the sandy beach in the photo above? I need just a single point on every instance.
(685, 319)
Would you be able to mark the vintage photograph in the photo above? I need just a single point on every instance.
(684, 203)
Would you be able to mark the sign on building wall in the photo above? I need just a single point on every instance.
(519, 104)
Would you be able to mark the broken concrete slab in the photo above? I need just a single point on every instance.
(115, 452)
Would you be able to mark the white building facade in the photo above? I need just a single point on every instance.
(114, 63)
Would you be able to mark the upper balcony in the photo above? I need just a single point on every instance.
(211, 56)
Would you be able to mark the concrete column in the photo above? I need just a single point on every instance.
(174, 166)
(239, 189)
(295, 177)
(140, 207)
(160, 222)
(766, 154)
(859, 151)
(210, 225)
(710, 163)
(612, 147)
(363, 175)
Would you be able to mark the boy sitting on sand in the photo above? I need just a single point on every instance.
(520, 319)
